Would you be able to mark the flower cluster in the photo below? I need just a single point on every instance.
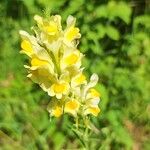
(55, 64)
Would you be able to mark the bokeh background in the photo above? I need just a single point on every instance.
(116, 43)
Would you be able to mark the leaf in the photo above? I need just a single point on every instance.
(112, 32)
(142, 20)
(121, 10)
(101, 11)
(78, 135)
(59, 140)
(124, 12)
(101, 30)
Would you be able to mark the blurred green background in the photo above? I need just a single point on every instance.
(116, 43)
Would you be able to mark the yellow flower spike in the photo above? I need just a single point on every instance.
(56, 67)
(59, 89)
(72, 106)
(26, 46)
(57, 112)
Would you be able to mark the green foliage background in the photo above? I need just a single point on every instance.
(116, 42)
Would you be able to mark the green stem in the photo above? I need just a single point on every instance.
(56, 64)
(86, 138)
(81, 133)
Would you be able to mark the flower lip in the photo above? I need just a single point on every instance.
(71, 106)
(92, 110)
(72, 33)
(78, 80)
(60, 88)
(57, 112)
(26, 46)
(51, 28)
(94, 93)
(71, 59)
(38, 62)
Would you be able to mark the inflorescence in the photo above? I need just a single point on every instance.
(55, 64)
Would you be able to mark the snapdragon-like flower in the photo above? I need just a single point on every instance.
(55, 64)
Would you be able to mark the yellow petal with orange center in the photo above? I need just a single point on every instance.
(38, 62)
(26, 46)
(71, 59)
(72, 33)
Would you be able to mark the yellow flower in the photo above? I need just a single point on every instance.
(59, 89)
(43, 65)
(38, 62)
(57, 111)
(26, 46)
(72, 57)
(49, 26)
(92, 110)
(71, 32)
(91, 102)
(55, 107)
(78, 80)
(72, 107)
(94, 93)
